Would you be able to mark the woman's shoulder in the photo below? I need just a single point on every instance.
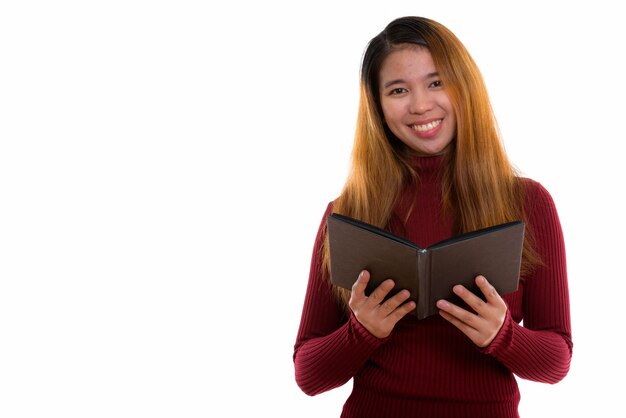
(534, 188)
(329, 207)
(536, 195)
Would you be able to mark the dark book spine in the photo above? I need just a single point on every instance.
(423, 284)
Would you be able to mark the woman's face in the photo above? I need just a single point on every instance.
(415, 106)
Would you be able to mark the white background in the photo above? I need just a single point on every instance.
(164, 166)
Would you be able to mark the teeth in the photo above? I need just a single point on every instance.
(428, 126)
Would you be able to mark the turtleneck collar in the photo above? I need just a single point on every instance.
(422, 197)
(428, 167)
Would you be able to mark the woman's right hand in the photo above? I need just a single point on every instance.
(378, 317)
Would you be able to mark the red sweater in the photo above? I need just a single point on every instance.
(428, 368)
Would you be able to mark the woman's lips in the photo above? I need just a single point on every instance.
(427, 130)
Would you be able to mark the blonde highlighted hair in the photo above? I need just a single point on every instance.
(480, 186)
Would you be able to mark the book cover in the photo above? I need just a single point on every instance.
(428, 273)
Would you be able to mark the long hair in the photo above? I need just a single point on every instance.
(480, 186)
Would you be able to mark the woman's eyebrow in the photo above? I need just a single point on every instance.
(400, 80)
(392, 82)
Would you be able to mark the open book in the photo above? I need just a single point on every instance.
(428, 273)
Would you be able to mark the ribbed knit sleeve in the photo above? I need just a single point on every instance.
(329, 348)
(428, 367)
(541, 349)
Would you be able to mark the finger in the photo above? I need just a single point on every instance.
(459, 314)
(358, 287)
(379, 294)
(401, 311)
(393, 302)
(488, 290)
(466, 329)
(474, 302)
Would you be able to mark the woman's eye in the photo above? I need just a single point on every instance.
(436, 83)
(398, 90)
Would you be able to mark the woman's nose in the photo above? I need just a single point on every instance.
(420, 103)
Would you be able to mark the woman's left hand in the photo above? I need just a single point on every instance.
(482, 325)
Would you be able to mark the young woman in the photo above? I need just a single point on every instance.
(428, 164)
